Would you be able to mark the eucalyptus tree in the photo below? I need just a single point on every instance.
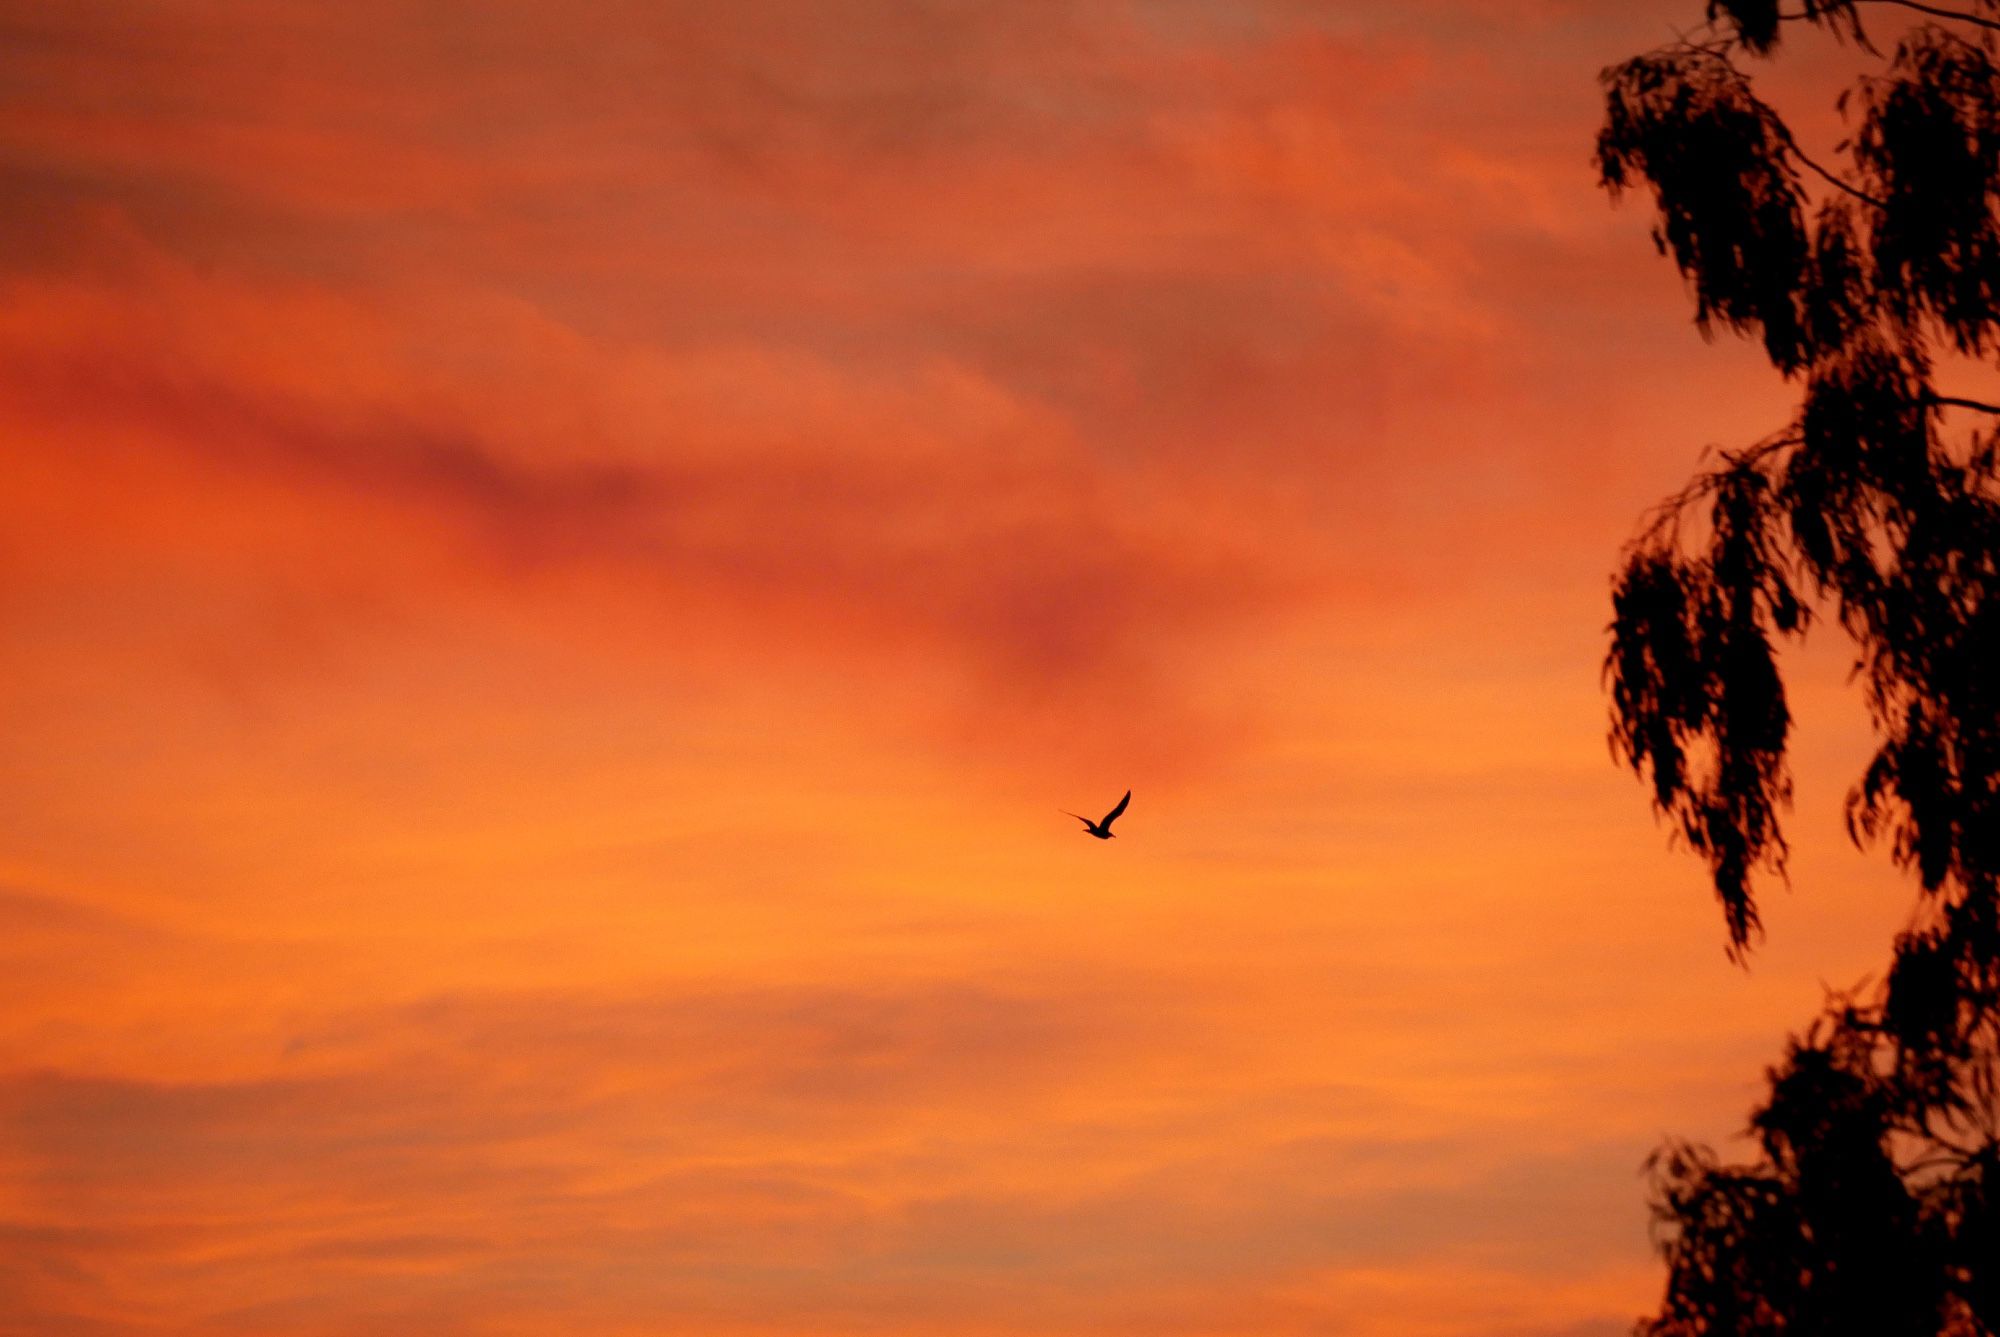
(1869, 274)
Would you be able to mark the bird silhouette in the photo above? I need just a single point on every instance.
(1102, 830)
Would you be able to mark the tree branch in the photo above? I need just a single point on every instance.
(1830, 177)
(1937, 12)
(1660, 525)
(1959, 402)
(1934, 11)
(1785, 132)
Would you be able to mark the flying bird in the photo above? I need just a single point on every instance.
(1102, 830)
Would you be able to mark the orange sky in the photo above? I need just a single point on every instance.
(558, 561)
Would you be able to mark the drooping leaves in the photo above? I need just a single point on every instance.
(1697, 699)
(1928, 147)
(1730, 207)
(1864, 501)
(1867, 417)
(1871, 1208)
(1838, 293)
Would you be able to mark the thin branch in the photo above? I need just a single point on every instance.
(1660, 524)
(1958, 402)
(1831, 178)
(1936, 12)
(1784, 131)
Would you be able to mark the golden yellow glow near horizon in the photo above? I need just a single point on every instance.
(560, 562)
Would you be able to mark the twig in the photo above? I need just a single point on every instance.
(1660, 525)
(1958, 402)
(1830, 177)
(1936, 12)
(1777, 125)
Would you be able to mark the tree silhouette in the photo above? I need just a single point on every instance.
(1868, 278)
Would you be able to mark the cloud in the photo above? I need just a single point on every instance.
(686, 1127)
(851, 1156)
(1024, 565)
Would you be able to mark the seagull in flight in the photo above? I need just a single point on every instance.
(1102, 830)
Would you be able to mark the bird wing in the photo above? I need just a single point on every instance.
(1112, 816)
(1079, 816)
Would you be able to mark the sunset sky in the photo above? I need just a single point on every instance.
(559, 560)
